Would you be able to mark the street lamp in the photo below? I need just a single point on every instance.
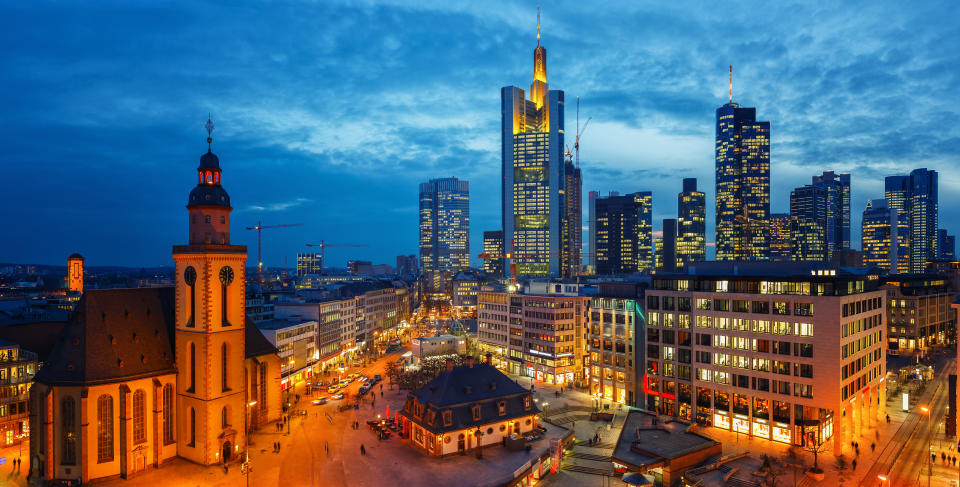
(479, 435)
(929, 447)
(883, 478)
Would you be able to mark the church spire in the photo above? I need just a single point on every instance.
(538, 26)
(209, 127)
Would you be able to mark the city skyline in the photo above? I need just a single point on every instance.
(107, 169)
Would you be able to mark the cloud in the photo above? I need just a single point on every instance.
(281, 206)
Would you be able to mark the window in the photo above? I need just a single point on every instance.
(206, 219)
(526, 403)
(139, 414)
(104, 429)
(447, 418)
(224, 371)
(224, 418)
(168, 425)
(476, 412)
(193, 427)
(193, 368)
(68, 425)
(502, 408)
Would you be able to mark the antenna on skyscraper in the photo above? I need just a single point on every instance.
(731, 83)
(538, 26)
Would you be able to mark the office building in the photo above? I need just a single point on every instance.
(885, 234)
(572, 221)
(17, 368)
(780, 238)
(837, 187)
(309, 264)
(691, 223)
(948, 245)
(296, 342)
(743, 182)
(918, 312)
(623, 231)
(406, 265)
(668, 250)
(615, 335)
(778, 352)
(444, 231)
(592, 230)
(534, 173)
(658, 253)
(493, 246)
(538, 336)
(808, 213)
(916, 195)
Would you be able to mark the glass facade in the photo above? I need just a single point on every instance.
(809, 206)
(779, 237)
(691, 223)
(444, 230)
(493, 246)
(884, 234)
(837, 187)
(623, 231)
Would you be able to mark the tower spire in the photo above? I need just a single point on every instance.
(538, 26)
(731, 83)
(209, 127)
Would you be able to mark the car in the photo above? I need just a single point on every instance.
(333, 389)
(364, 378)
(320, 401)
(338, 395)
(352, 377)
(364, 389)
(344, 383)
(377, 378)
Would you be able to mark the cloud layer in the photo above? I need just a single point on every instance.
(330, 113)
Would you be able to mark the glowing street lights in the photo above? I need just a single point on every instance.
(930, 454)
(883, 478)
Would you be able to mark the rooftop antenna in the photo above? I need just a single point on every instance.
(538, 26)
(731, 83)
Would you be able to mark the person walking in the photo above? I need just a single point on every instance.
(854, 463)
(873, 447)
(363, 451)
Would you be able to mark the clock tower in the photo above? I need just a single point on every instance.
(210, 319)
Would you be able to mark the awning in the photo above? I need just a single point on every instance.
(638, 479)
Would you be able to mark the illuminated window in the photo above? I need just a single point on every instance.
(68, 425)
(139, 414)
(104, 429)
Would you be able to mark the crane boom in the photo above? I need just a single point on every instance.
(323, 254)
(259, 228)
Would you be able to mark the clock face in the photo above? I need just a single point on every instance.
(190, 276)
(226, 275)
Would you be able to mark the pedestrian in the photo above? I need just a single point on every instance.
(381, 392)
(873, 447)
(225, 468)
(943, 457)
(854, 463)
(363, 451)
(888, 419)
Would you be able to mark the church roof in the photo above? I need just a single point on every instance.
(123, 334)
(113, 335)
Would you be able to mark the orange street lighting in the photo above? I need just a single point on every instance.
(924, 409)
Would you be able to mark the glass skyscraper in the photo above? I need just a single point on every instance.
(444, 231)
(743, 183)
(779, 237)
(691, 223)
(572, 241)
(884, 234)
(837, 187)
(623, 229)
(493, 246)
(916, 195)
(808, 212)
(533, 172)
(948, 245)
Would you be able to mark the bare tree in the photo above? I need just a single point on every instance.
(814, 444)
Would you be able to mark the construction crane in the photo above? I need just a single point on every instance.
(576, 141)
(750, 229)
(323, 247)
(259, 228)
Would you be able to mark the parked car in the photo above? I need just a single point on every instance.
(333, 389)
(338, 395)
(320, 401)
(377, 378)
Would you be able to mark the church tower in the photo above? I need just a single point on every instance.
(210, 318)
(75, 273)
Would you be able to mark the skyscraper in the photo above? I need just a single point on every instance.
(884, 233)
(444, 230)
(406, 264)
(808, 211)
(493, 247)
(897, 193)
(743, 182)
(623, 229)
(668, 251)
(572, 221)
(533, 172)
(924, 221)
(838, 210)
(592, 228)
(948, 246)
(780, 238)
(691, 223)
(309, 263)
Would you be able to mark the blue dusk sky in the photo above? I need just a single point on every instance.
(330, 113)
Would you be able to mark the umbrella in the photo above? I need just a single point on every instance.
(638, 479)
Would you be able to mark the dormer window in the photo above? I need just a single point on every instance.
(502, 408)
(476, 412)
(526, 403)
(447, 418)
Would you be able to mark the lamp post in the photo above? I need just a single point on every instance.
(479, 435)
(883, 478)
(929, 456)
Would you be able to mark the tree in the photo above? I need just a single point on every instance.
(392, 372)
(814, 444)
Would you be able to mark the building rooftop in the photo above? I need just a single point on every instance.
(646, 442)
(281, 323)
(765, 269)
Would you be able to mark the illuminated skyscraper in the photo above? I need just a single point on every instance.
(572, 221)
(808, 211)
(591, 225)
(743, 182)
(924, 221)
(948, 245)
(493, 246)
(838, 209)
(897, 193)
(444, 231)
(691, 223)
(623, 229)
(533, 172)
(779, 237)
(884, 234)
(667, 258)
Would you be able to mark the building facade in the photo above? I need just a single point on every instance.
(837, 187)
(535, 336)
(493, 246)
(572, 221)
(808, 213)
(75, 273)
(885, 237)
(622, 233)
(296, 344)
(17, 368)
(948, 245)
(743, 182)
(779, 353)
(309, 264)
(691, 223)
(780, 237)
(534, 173)
(918, 313)
(444, 231)
(612, 335)
(917, 195)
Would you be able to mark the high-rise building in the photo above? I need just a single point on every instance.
(885, 233)
(75, 273)
(808, 211)
(838, 209)
(572, 221)
(780, 238)
(406, 264)
(533, 172)
(691, 223)
(444, 231)
(948, 246)
(924, 221)
(668, 251)
(658, 252)
(897, 193)
(591, 225)
(310, 263)
(623, 229)
(743, 182)
(493, 246)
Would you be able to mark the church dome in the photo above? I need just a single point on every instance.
(209, 161)
(213, 195)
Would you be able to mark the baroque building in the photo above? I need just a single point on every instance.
(140, 376)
